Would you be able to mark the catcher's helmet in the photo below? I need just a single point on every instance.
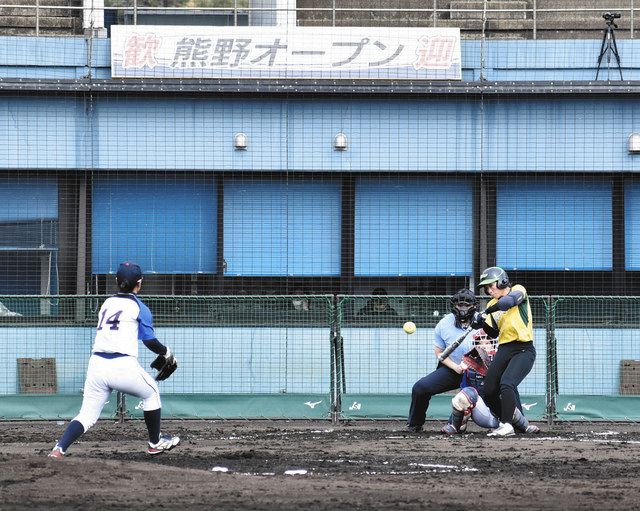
(494, 274)
(463, 304)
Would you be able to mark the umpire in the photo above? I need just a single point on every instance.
(448, 374)
(507, 317)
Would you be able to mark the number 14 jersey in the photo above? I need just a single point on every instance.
(123, 320)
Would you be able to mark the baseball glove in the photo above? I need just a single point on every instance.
(478, 360)
(165, 364)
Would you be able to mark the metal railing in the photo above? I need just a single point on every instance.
(481, 20)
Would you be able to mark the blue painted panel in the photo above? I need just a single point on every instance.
(556, 60)
(186, 134)
(254, 361)
(275, 360)
(632, 226)
(387, 361)
(601, 350)
(70, 347)
(52, 51)
(554, 224)
(40, 132)
(259, 360)
(28, 198)
(414, 226)
(559, 134)
(166, 226)
(441, 135)
(314, 220)
(282, 227)
(53, 57)
(53, 73)
(177, 133)
(424, 134)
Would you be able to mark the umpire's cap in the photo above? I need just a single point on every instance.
(128, 276)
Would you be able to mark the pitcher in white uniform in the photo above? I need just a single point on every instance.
(123, 320)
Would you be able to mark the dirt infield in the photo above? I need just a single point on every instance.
(357, 465)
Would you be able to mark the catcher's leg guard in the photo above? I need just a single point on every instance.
(465, 421)
(463, 402)
(455, 421)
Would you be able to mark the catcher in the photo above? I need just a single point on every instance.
(122, 320)
(468, 403)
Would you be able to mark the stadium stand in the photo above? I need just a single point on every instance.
(501, 19)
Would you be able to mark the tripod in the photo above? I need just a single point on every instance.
(609, 47)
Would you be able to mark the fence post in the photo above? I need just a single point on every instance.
(121, 406)
(552, 360)
(337, 360)
(535, 19)
(435, 12)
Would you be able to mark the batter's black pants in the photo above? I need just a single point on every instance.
(511, 364)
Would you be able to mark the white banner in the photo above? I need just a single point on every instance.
(143, 51)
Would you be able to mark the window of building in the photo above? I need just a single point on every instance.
(413, 226)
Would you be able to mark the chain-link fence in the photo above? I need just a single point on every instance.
(317, 356)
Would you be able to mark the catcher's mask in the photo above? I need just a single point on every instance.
(482, 341)
(463, 304)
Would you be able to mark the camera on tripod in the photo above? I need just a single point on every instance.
(609, 46)
(610, 16)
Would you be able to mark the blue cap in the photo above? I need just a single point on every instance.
(129, 274)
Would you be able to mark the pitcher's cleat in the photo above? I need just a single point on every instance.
(56, 453)
(166, 443)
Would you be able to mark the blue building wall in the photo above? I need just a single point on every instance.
(432, 133)
(387, 135)
(448, 134)
(429, 133)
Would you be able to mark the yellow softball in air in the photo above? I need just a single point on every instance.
(409, 327)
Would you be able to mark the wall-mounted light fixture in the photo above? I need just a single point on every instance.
(340, 142)
(633, 144)
(240, 141)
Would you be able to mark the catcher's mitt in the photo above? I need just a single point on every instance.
(478, 360)
(165, 364)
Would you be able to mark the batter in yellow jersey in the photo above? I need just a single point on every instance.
(507, 317)
(514, 324)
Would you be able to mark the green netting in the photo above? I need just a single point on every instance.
(300, 356)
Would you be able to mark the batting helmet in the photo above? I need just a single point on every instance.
(494, 274)
(463, 304)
